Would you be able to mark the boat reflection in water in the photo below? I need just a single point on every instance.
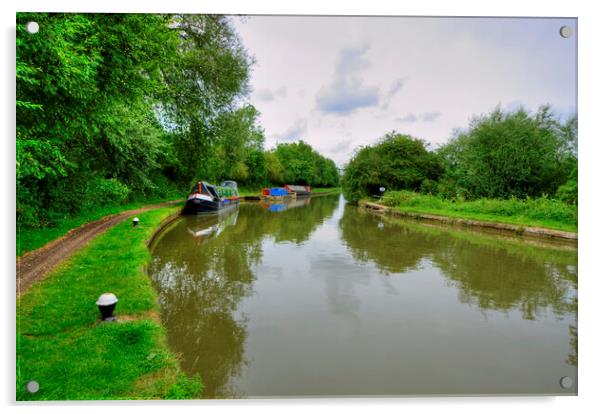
(277, 206)
(203, 228)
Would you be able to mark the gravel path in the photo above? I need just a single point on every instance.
(35, 265)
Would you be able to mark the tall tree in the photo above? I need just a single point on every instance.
(506, 154)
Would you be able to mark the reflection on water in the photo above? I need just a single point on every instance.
(325, 299)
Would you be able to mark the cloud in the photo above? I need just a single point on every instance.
(340, 147)
(396, 87)
(294, 132)
(425, 117)
(430, 116)
(268, 95)
(408, 118)
(347, 92)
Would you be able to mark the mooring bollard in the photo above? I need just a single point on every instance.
(106, 305)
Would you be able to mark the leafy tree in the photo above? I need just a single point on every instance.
(568, 192)
(86, 84)
(202, 82)
(301, 164)
(510, 154)
(396, 162)
(125, 104)
(274, 167)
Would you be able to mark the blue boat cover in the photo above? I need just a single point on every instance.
(276, 192)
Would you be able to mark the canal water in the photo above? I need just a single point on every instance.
(319, 298)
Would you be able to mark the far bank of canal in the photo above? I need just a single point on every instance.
(321, 298)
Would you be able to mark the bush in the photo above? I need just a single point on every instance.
(104, 192)
(569, 192)
(396, 162)
(510, 154)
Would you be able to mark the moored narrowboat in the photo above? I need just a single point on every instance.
(299, 190)
(276, 193)
(208, 198)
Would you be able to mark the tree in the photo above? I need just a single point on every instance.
(511, 154)
(396, 162)
(202, 84)
(301, 164)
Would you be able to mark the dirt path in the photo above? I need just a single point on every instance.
(35, 265)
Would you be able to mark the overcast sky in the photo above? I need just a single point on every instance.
(342, 82)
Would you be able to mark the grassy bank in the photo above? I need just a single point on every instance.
(540, 212)
(326, 190)
(33, 238)
(62, 345)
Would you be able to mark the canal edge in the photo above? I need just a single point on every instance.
(538, 232)
(162, 225)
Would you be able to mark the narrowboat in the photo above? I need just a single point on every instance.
(299, 190)
(208, 198)
(276, 193)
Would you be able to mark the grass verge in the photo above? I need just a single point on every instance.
(29, 239)
(63, 346)
(538, 212)
(326, 190)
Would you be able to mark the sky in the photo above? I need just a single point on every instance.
(343, 82)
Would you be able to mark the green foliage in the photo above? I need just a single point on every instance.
(540, 211)
(569, 192)
(186, 388)
(396, 162)
(127, 104)
(257, 167)
(510, 154)
(301, 164)
(205, 75)
(274, 167)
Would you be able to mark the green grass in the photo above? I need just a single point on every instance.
(325, 189)
(244, 191)
(539, 212)
(34, 238)
(62, 345)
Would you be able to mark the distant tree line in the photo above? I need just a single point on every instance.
(500, 155)
(116, 107)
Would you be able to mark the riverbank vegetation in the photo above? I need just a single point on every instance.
(63, 346)
(121, 108)
(29, 239)
(538, 212)
(515, 167)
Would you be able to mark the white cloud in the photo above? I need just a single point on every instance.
(295, 132)
(268, 95)
(430, 116)
(407, 118)
(347, 91)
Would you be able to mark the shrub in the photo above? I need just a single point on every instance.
(396, 162)
(106, 192)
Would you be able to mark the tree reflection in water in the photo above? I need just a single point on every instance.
(490, 272)
(204, 266)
